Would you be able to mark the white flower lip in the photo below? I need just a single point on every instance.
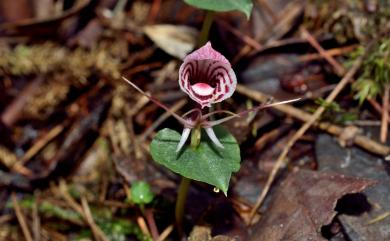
(202, 89)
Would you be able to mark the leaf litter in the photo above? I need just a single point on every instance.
(75, 56)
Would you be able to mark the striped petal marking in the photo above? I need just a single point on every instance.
(207, 76)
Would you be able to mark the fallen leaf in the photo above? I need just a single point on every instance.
(354, 161)
(303, 204)
(176, 40)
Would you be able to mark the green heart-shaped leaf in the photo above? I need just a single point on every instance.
(244, 6)
(207, 163)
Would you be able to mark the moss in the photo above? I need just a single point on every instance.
(375, 72)
(51, 58)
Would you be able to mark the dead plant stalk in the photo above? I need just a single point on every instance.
(385, 113)
(83, 210)
(21, 218)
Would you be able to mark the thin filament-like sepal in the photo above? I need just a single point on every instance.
(177, 117)
(192, 111)
(243, 113)
(218, 112)
(260, 107)
(218, 122)
(184, 136)
(213, 137)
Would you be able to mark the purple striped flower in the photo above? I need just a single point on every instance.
(207, 76)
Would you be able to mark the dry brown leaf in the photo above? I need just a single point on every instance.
(176, 40)
(303, 204)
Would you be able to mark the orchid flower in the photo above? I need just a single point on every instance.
(207, 77)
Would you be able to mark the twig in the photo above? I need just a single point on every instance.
(36, 222)
(21, 219)
(385, 113)
(136, 146)
(5, 218)
(360, 140)
(11, 114)
(135, 109)
(270, 136)
(165, 233)
(83, 211)
(243, 37)
(264, 5)
(379, 218)
(338, 68)
(88, 215)
(377, 107)
(142, 225)
(53, 234)
(63, 190)
(161, 119)
(38, 146)
(329, 52)
(151, 223)
(143, 67)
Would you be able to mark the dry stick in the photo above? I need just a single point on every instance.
(42, 143)
(166, 233)
(73, 204)
(135, 109)
(21, 219)
(36, 226)
(151, 223)
(5, 218)
(338, 68)
(385, 113)
(379, 218)
(11, 114)
(161, 119)
(359, 140)
(96, 231)
(91, 222)
(142, 225)
(19, 166)
(281, 159)
(264, 5)
(329, 52)
(243, 37)
(377, 107)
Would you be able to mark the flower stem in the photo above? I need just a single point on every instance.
(180, 203)
(195, 138)
(204, 33)
(184, 185)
